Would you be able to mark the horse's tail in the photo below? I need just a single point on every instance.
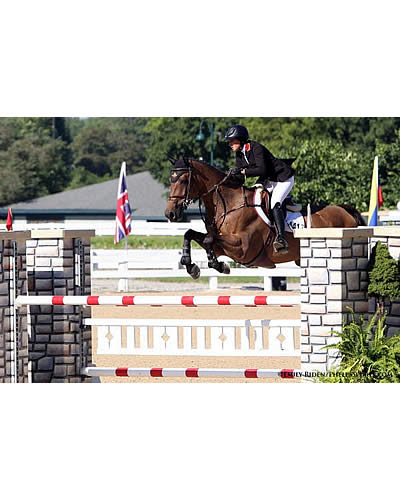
(355, 214)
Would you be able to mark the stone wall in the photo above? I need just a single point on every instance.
(50, 343)
(59, 345)
(13, 332)
(334, 276)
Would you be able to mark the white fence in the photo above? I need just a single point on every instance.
(106, 227)
(196, 337)
(141, 264)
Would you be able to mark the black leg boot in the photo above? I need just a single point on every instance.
(280, 244)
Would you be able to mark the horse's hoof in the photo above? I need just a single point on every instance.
(224, 268)
(186, 260)
(194, 271)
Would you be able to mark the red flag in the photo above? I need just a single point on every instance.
(9, 223)
(380, 196)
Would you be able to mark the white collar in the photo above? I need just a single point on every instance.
(244, 154)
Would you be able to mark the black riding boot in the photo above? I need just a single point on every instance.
(280, 244)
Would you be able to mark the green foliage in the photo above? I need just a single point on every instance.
(334, 155)
(325, 172)
(32, 162)
(177, 137)
(102, 144)
(367, 355)
(389, 171)
(383, 276)
(75, 125)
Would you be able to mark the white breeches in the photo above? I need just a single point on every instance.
(279, 190)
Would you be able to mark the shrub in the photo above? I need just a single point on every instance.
(367, 355)
(384, 276)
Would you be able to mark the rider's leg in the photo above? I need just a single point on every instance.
(280, 192)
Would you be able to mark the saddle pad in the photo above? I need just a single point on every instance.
(294, 220)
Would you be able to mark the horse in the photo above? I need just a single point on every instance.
(233, 226)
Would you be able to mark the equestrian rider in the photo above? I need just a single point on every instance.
(254, 159)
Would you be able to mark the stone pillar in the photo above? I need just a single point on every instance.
(334, 275)
(13, 333)
(58, 263)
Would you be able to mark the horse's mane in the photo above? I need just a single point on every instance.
(222, 173)
(184, 161)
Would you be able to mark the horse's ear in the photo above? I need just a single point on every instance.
(172, 159)
(288, 161)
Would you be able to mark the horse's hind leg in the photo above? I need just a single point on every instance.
(206, 242)
(221, 267)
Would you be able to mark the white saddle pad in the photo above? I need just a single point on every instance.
(294, 220)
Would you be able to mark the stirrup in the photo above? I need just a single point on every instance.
(280, 245)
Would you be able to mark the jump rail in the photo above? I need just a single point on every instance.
(159, 300)
(190, 372)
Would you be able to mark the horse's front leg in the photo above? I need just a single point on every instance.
(186, 260)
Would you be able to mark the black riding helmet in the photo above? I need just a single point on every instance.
(237, 132)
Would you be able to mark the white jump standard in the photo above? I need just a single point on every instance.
(159, 300)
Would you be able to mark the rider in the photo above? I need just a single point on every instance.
(254, 159)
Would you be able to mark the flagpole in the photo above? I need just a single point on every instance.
(126, 281)
(123, 226)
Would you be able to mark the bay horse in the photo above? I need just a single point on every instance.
(233, 226)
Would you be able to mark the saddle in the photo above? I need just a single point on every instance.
(288, 204)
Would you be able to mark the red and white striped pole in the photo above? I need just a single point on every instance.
(190, 372)
(159, 300)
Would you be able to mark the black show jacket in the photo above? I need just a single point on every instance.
(263, 163)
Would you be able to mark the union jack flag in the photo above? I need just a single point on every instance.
(123, 215)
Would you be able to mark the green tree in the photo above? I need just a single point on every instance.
(32, 162)
(75, 125)
(325, 172)
(177, 137)
(33, 167)
(383, 276)
(389, 171)
(102, 144)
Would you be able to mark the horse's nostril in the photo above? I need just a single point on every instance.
(172, 215)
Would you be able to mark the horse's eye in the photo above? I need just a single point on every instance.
(184, 181)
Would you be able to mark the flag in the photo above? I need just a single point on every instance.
(9, 223)
(123, 215)
(376, 199)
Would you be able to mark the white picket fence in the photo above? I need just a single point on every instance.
(196, 337)
(141, 264)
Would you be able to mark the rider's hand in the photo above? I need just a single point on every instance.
(236, 170)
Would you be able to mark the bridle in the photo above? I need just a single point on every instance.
(177, 172)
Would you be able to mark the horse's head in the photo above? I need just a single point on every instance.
(183, 189)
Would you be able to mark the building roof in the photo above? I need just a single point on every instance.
(147, 197)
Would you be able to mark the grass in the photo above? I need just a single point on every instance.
(140, 242)
(234, 279)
